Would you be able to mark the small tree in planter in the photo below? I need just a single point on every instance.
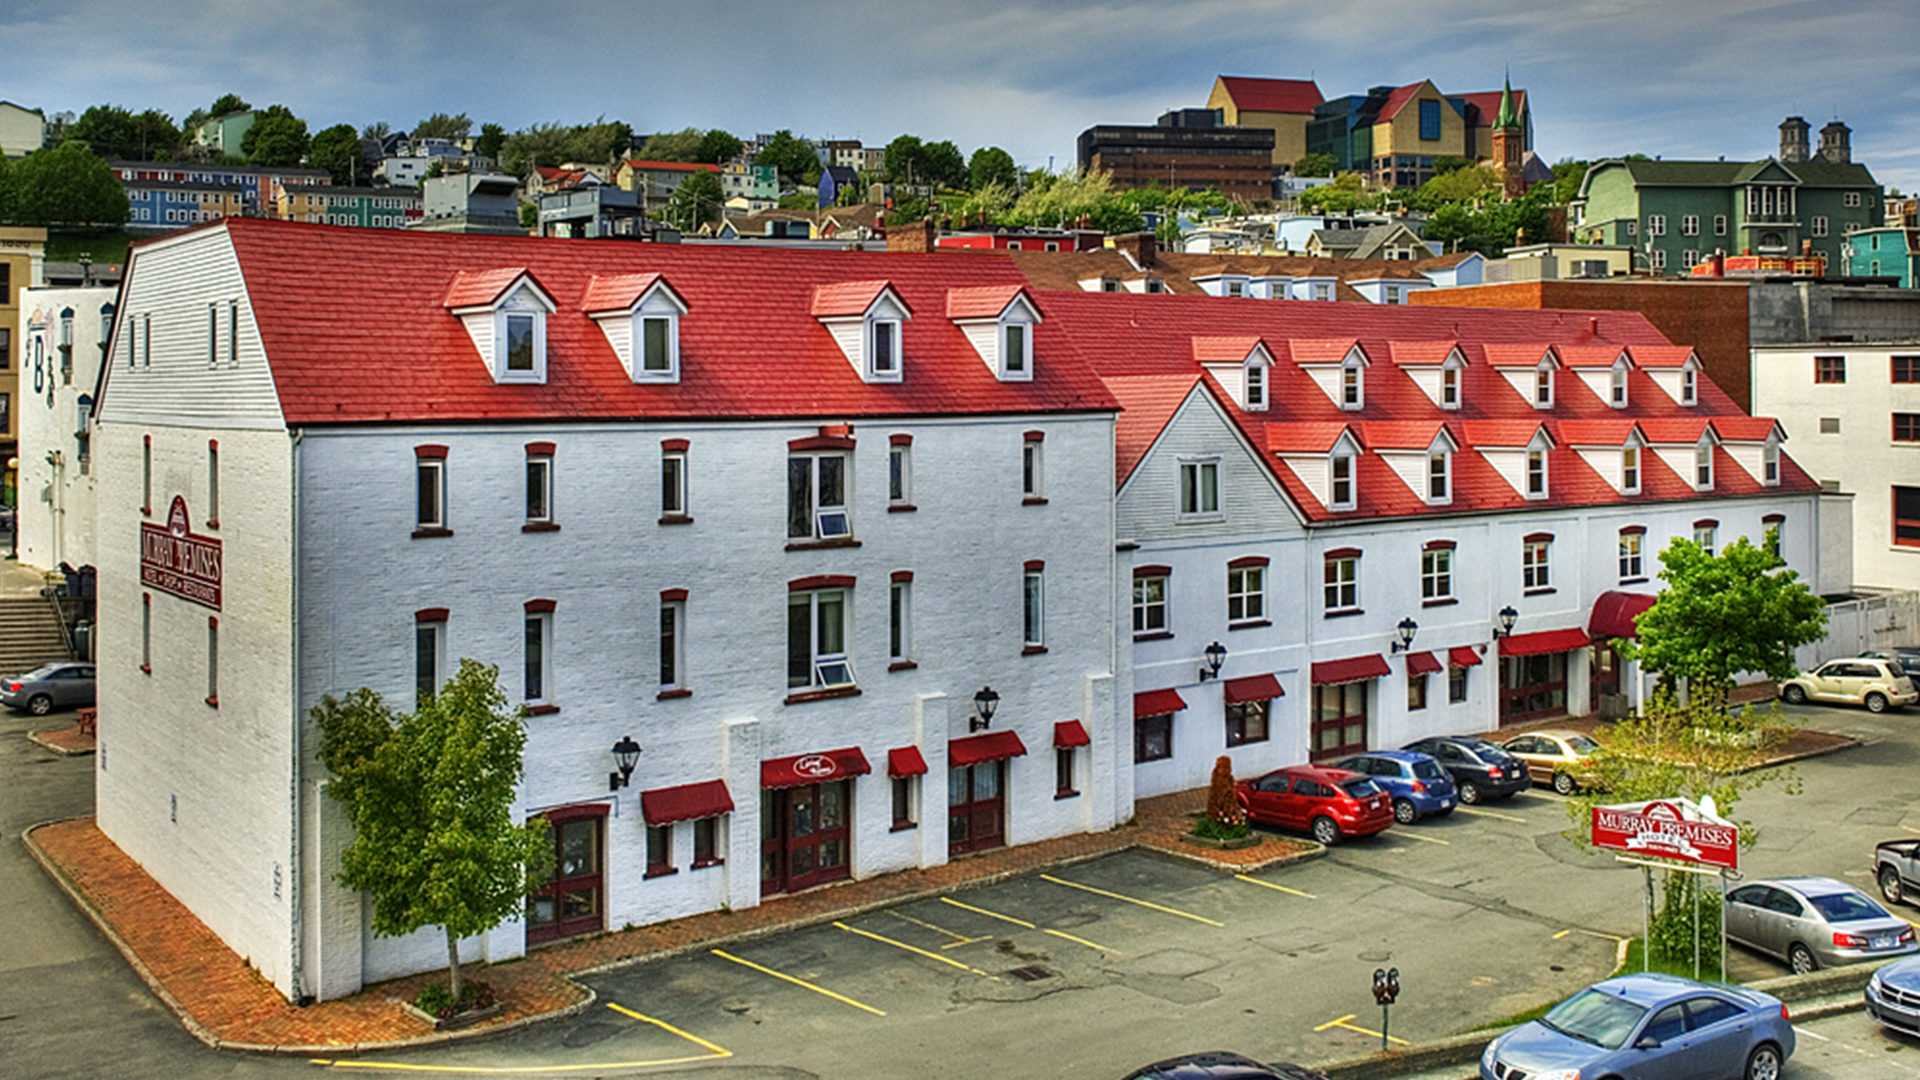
(1224, 820)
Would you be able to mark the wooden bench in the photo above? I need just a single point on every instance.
(88, 719)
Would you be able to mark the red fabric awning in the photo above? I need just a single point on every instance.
(993, 746)
(1252, 688)
(1422, 663)
(813, 768)
(1157, 702)
(1352, 669)
(687, 802)
(1545, 641)
(1070, 733)
(1462, 656)
(905, 761)
(1614, 612)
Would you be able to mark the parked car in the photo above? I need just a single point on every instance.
(1814, 922)
(1861, 680)
(1480, 770)
(1222, 1065)
(1331, 804)
(1648, 1025)
(1896, 866)
(1893, 996)
(64, 685)
(1416, 782)
(1558, 759)
(1908, 657)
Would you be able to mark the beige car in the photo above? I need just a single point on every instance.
(1862, 680)
(1557, 758)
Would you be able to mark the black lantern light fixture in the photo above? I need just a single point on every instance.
(984, 703)
(1508, 617)
(1406, 630)
(626, 754)
(1215, 655)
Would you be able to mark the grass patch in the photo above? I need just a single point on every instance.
(106, 248)
(1636, 953)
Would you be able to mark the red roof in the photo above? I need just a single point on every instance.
(1398, 99)
(1252, 688)
(1488, 102)
(616, 292)
(686, 802)
(1608, 432)
(983, 302)
(993, 746)
(1614, 613)
(1147, 404)
(1544, 641)
(1319, 350)
(803, 769)
(1422, 663)
(1352, 669)
(1505, 355)
(671, 166)
(1507, 434)
(1420, 353)
(478, 288)
(847, 298)
(1223, 350)
(1744, 428)
(1400, 434)
(1589, 356)
(1272, 95)
(1675, 430)
(1157, 702)
(1662, 356)
(1304, 438)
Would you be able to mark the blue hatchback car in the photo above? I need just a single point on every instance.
(1650, 1027)
(1416, 781)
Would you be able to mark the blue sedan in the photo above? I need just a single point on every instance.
(1893, 996)
(1416, 781)
(1649, 1027)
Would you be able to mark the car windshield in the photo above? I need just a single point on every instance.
(1489, 752)
(1847, 907)
(1428, 770)
(1592, 1016)
(1360, 788)
(1580, 744)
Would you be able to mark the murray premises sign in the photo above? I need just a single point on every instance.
(174, 560)
(1668, 829)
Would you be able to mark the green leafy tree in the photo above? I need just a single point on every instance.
(696, 201)
(115, 133)
(379, 129)
(1463, 183)
(1315, 165)
(942, 166)
(1568, 175)
(986, 204)
(337, 149)
(492, 138)
(277, 138)
(435, 169)
(529, 215)
(542, 145)
(792, 157)
(1737, 610)
(992, 165)
(442, 126)
(225, 104)
(6, 191)
(682, 145)
(718, 147)
(430, 797)
(601, 142)
(903, 161)
(66, 185)
(1168, 235)
(1447, 163)
(1347, 193)
(907, 211)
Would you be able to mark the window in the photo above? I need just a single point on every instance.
(1774, 525)
(1617, 387)
(1247, 721)
(213, 335)
(1690, 225)
(817, 497)
(1703, 534)
(900, 472)
(673, 617)
(883, 348)
(539, 484)
(658, 336)
(1536, 474)
(1199, 488)
(1819, 225)
(817, 639)
(1690, 258)
(519, 343)
(233, 332)
(1340, 488)
(534, 685)
(146, 475)
(659, 850)
(1033, 607)
(1416, 690)
(1906, 516)
(1630, 566)
(146, 632)
(1439, 472)
(1656, 224)
(1703, 466)
(1633, 228)
(429, 630)
(1436, 572)
(213, 483)
(1350, 388)
(1630, 470)
(1246, 592)
(1543, 388)
(1829, 369)
(1770, 463)
(673, 482)
(1015, 344)
(1449, 388)
(1719, 224)
(1342, 581)
(213, 662)
(899, 617)
(1534, 554)
(706, 843)
(430, 489)
(1429, 120)
(1152, 738)
(1149, 603)
(1829, 425)
(146, 340)
(903, 816)
(1689, 386)
(1032, 469)
(1063, 773)
(1256, 386)
(1906, 369)
(1853, 198)
(1456, 685)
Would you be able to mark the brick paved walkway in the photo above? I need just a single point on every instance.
(225, 1002)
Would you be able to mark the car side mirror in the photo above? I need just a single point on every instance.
(1647, 1042)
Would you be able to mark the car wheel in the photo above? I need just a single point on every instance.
(1469, 792)
(1763, 1063)
(39, 704)
(1326, 831)
(1562, 783)
(1876, 703)
(1890, 886)
(1793, 694)
(1404, 812)
(1801, 960)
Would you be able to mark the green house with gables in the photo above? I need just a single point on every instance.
(1677, 213)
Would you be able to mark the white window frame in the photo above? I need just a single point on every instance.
(1439, 477)
(1341, 592)
(1543, 386)
(1630, 465)
(1033, 608)
(823, 516)
(1770, 463)
(1199, 500)
(1818, 226)
(673, 484)
(1852, 198)
(1703, 465)
(1246, 588)
(673, 645)
(1146, 608)
(1449, 387)
(1536, 564)
(1536, 473)
(433, 633)
(437, 467)
(1617, 386)
(1719, 224)
(1689, 386)
(1336, 464)
(900, 474)
(1014, 366)
(824, 666)
(1033, 486)
(1705, 536)
(1690, 225)
(1255, 382)
(503, 321)
(671, 320)
(1353, 387)
(543, 622)
(1658, 258)
(900, 622)
(1436, 574)
(1656, 224)
(876, 331)
(1632, 556)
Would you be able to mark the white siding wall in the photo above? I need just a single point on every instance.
(56, 500)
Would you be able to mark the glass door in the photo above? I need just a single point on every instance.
(571, 901)
(976, 808)
(1339, 720)
(804, 836)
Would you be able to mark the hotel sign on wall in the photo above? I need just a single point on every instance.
(174, 560)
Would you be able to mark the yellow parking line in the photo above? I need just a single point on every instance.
(670, 1029)
(1275, 888)
(965, 941)
(1369, 1031)
(1491, 814)
(984, 911)
(1402, 834)
(802, 983)
(1334, 1023)
(714, 1053)
(947, 960)
(1131, 900)
(1077, 941)
(958, 939)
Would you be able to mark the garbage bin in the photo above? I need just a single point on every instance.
(83, 640)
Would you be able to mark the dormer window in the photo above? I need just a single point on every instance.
(1439, 476)
(1770, 463)
(1256, 386)
(1352, 393)
(1630, 471)
(1449, 388)
(998, 321)
(883, 349)
(1543, 388)
(1536, 474)
(1617, 387)
(519, 338)
(1689, 386)
(1703, 465)
(505, 313)
(865, 319)
(1015, 348)
(1340, 493)
(640, 314)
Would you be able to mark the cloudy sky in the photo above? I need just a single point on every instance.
(1679, 78)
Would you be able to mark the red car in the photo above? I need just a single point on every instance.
(1328, 803)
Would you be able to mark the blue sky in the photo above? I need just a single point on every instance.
(1695, 79)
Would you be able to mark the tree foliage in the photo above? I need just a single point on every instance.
(430, 796)
(1347, 193)
(116, 133)
(718, 147)
(991, 165)
(1315, 165)
(337, 149)
(1737, 610)
(942, 165)
(225, 104)
(902, 164)
(379, 129)
(277, 138)
(64, 185)
(792, 157)
(442, 126)
(550, 144)
(682, 145)
(492, 138)
(696, 201)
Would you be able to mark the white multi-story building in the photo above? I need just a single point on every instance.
(1853, 409)
(65, 337)
(792, 522)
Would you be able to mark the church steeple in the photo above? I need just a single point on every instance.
(1506, 118)
(1509, 144)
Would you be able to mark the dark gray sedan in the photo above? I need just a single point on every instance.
(1813, 922)
(66, 685)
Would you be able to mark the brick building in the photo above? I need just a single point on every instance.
(1188, 148)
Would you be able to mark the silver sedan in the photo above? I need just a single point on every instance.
(65, 685)
(1813, 922)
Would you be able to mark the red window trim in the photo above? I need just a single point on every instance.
(574, 813)
(431, 614)
(1245, 561)
(900, 440)
(1036, 564)
(213, 622)
(902, 575)
(1438, 545)
(1894, 506)
(1774, 519)
(821, 442)
(1035, 436)
(1706, 523)
(674, 445)
(820, 581)
(1152, 571)
(1342, 553)
(539, 605)
(1633, 530)
(539, 449)
(214, 445)
(430, 450)
(670, 595)
(1535, 538)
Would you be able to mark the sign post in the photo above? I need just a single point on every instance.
(1676, 835)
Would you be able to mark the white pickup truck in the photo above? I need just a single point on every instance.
(1896, 866)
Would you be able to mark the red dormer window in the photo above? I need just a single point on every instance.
(505, 313)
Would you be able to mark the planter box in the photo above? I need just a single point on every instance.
(1235, 844)
(458, 1020)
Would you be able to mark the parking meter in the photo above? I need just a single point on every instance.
(1386, 987)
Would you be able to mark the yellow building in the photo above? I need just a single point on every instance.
(1282, 105)
(21, 252)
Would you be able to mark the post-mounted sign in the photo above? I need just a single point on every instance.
(1668, 829)
(175, 560)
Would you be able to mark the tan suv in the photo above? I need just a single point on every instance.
(1868, 681)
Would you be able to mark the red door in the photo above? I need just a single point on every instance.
(573, 899)
(1339, 720)
(976, 808)
(804, 835)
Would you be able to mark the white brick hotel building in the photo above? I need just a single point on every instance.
(793, 521)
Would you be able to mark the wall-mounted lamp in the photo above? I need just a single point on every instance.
(1406, 629)
(626, 754)
(1508, 617)
(1214, 655)
(984, 703)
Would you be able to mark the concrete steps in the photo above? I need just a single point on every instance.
(29, 635)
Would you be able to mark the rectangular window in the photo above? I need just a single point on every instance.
(213, 662)
(1770, 463)
(1350, 388)
(1774, 529)
(899, 612)
(1033, 613)
(903, 817)
(213, 335)
(1341, 488)
(817, 639)
(1703, 466)
(1536, 473)
(659, 850)
(1534, 572)
(1543, 388)
(656, 335)
(1659, 258)
(1690, 225)
(1150, 604)
(673, 483)
(1906, 427)
(1819, 225)
(706, 843)
(1031, 468)
(430, 499)
(233, 332)
(535, 682)
(673, 615)
(1247, 722)
(817, 497)
(1690, 258)
(885, 348)
(146, 632)
(1436, 574)
(1853, 198)
(1063, 773)
(1246, 593)
(539, 489)
(1416, 691)
(1704, 535)
(1429, 120)
(1656, 224)
(519, 343)
(1633, 228)
(1199, 487)
(1630, 567)
(1829, 425)
(1449, 388)
(1256, 386)
(1906, 516)
(1719, 224)
(1630, 470)
(1906, 369)
(1342, 580)
(1438, 471)
(1016, 345)
(899, 474)
(1829, 369)
(213, 484)
(146, 476)
(1456, 685)
(426, 660)
(1152, 738)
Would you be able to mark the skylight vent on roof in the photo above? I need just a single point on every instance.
(505, 314)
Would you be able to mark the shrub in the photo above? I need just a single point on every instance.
(1222, 807)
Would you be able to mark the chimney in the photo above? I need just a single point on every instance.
(1141, 247)
(916, 236)
(1835, 143)
(1793, 140)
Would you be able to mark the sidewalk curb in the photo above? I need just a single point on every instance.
(35, 739)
